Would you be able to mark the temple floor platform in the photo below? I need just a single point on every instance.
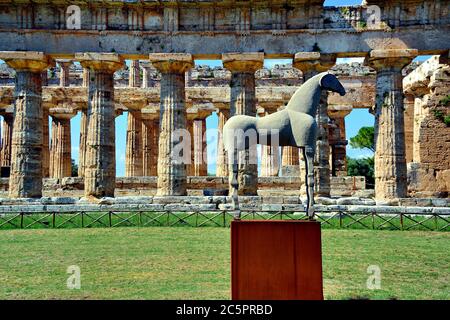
(223, 203)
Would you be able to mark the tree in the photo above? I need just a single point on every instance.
(74, 169)
(362, 167)
(364, 139)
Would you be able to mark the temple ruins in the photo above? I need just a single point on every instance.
(59, 72)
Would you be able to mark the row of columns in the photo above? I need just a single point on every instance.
(98, 163)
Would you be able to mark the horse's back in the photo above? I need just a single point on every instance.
(236, 127)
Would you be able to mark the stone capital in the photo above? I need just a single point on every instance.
(64, 63)
(150, 112)
(171, 62)
(338, 111)
(8, 115)
(390, 59)
(108, 62)
(27, 60)
(197, 114)
(243, 62)
(314, 61)
(417, 89)
(62, 113)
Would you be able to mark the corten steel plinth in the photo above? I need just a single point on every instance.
(276, 260)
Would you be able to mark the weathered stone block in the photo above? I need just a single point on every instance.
(325, 200)
(190, 207)
(272, 207)
(133, 200)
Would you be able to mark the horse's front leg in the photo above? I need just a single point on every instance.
(308, 155)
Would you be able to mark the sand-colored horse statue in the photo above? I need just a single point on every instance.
(293, 126)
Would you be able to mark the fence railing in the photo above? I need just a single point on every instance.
(220, 218)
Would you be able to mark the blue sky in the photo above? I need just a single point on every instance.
(354, 121)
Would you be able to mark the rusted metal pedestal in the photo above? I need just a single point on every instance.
(276, 260)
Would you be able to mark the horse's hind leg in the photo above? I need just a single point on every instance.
(233, 180)
(308, 155)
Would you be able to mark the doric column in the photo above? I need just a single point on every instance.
(26, 152)
(45, 145)
(60, 150)
(409, 126)
(269, 154)
(190, 167)
(86, 77)
(83, 128)
(100, 159)
(45, 134)
(64, 75)
(312, 63)
(82, 146)
(133, 152)
(44, 77)
(416, 93)
(199, 141)
(7, 129)
(150, 138)
(148, 74)
(390, 161)
(222, 167)
(243, 101)
(171, 169)
(134, 79)
(337, 139)
(290, 162)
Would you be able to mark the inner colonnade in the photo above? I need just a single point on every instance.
(165, 38)
(149, 130)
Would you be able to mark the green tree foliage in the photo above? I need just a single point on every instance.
(74, 169)
(364, 139)
(362, 167)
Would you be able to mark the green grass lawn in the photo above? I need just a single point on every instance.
(194, 263)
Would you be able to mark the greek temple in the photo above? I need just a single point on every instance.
(55, 72)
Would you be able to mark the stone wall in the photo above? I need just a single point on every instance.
(199, 186)
(429, 171)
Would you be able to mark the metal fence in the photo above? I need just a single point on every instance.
(117, 218)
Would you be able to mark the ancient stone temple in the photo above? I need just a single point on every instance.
(139, 58)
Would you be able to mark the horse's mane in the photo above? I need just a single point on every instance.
(307, 97)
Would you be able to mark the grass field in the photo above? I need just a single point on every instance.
(193, 263)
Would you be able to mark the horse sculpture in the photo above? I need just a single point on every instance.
(293, 126)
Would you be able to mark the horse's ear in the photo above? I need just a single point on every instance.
(327, 80)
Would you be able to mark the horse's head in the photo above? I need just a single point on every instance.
(329, 82)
